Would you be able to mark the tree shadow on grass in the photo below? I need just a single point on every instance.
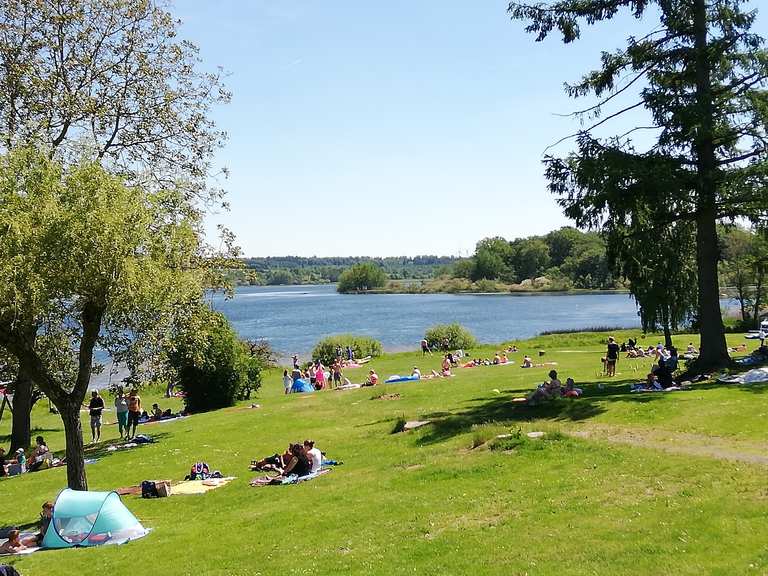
(502, 410)
(34, 432)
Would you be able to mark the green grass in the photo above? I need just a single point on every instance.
(614, 487)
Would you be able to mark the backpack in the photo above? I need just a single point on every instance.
(149, 489)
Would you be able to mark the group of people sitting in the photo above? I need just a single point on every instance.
(661, 376)
(40, 457)
(552, 389)
(300, 459)
(498, 358)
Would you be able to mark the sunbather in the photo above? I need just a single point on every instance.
(570, 390)
(527, 362)
(546, 391)
(314, 455)
(446, 367)
(40, 456)
(372, 379)
(299, 463)
(45, 520)
(13, 544)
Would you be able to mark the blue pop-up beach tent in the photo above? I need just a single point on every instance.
(302, 386)
(90, 519)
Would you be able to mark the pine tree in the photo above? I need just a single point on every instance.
(700, 75)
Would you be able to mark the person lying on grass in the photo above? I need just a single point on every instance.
(547, 391)
(274, 463)
(13, 544)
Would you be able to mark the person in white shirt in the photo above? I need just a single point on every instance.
(416, 372)
(314, 455)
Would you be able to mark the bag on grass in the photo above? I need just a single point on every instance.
(149, 489)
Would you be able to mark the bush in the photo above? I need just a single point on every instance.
(456, 334)
(210, 364)
(362, 346)
(362, 277)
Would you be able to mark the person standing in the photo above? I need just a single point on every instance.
(611, 357)
(287, 381)
(134, 413)
(425, 347)
(95, 408)
(121, 409)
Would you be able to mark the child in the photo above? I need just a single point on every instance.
(13, 544)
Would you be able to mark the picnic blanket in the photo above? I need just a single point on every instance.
(199, 486)
(754, 376)
(290, 479)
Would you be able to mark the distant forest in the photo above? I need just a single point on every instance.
(567, 257)
(280, 270)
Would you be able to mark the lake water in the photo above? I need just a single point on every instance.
(294, 318)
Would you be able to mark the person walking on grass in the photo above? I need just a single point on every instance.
(425, 347)
(95, 408)
(611, 357)
(121, 409)
(134, 413)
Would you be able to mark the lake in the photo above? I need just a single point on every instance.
(294, 318)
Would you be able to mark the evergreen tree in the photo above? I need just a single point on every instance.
(700, 75)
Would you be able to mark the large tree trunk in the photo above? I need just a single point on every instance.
(760, 278)
(714, 350)
(73, 431)
(21, 431)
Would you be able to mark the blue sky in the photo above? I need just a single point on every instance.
(396, 128)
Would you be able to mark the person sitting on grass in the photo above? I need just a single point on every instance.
(372, 379)
(314, 455)
(496, 359)
(46, 515)
(156, 413)
(13, 544)
(527, 362)
(40, 455)
(298, 463)
(547, 391)
(446, 367)
(570, 390)
(416, 373)
(17, 465)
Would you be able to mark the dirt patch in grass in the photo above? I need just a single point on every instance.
(680, 443)
(387, 397)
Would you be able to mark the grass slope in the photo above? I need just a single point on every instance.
(616, 487)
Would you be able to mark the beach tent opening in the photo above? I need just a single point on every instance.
(90, 519)
(301, 386)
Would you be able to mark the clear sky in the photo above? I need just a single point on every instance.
(388, 128)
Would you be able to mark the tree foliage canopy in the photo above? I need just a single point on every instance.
(108, 79)
(84, 261)
(361, 277)
(700, 75)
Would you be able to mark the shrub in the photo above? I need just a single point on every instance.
(210, 364)
(361, 277)
(362, 346)
(456, 334)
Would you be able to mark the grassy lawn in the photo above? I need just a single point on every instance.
(662, 483)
